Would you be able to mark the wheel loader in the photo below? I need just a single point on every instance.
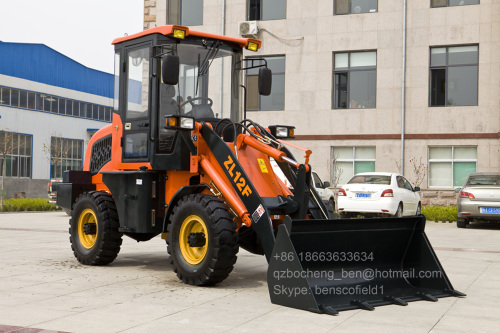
(179, 161)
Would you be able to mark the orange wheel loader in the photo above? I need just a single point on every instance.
(179, 160)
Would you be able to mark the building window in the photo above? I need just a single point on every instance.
(15, 151)
(65, 154)
(275, 101)
(351, 161)
(262, 10)
(36, 101)
(185, 12)
(355, 6)
(453, 75)
(354, 80)
(450, 166)
(445, 3)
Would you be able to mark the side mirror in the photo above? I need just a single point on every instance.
(417, 189)
(170, 69)
(326, 184)
(265, 81)
(458, 189)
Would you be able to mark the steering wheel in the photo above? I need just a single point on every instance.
(191, 100)
(200, 110)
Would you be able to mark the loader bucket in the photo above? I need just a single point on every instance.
(327, 266)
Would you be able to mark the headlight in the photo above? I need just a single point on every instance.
(282, 131)
(179, 123)
(187, 123)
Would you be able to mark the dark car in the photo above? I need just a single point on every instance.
(479, 198)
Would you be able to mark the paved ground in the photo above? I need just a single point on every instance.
(42, 286)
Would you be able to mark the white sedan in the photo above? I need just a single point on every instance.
(378, 194)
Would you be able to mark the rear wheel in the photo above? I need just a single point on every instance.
(94, 235)
(202, 240)
(461, 223)
(399, 211)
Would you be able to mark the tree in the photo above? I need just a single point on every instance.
(57, 150)
(8, 144)
(336, 174)
(418, 170)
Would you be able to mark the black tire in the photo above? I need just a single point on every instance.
(211, 262)
(399, 211)
(331, 204)
(419, 209)
(93, 229)
(461, 223)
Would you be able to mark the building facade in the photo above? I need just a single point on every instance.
(374, 85)
(50, 106)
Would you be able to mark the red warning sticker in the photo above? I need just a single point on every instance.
(258, 213)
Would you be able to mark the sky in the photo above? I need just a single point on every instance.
(80, 29)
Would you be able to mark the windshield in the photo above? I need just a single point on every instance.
(484, 180)
(371, 179)
(208, 82)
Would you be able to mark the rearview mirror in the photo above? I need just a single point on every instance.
(265, 81)
(417, 189)
(170, 69)
(326, 184)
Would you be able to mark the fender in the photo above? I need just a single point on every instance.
(182, 192)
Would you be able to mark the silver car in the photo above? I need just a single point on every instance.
(479, 199)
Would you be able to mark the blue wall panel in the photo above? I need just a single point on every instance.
(40, 63)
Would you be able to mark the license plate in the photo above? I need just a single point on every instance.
(489, 210)
(363, 195)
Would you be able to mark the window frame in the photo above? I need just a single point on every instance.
(28, 159)
(445, 67)
(274, 73)
(258, 16)
(69, 157)
(57, 105)
(178, 16)
(349, 11)
(451, 160)
(354, 160)
(448, 4)
(348, 72)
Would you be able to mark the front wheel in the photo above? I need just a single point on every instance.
(202, 240)
(93, 229)
(331, 203)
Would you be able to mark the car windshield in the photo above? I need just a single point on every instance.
(484, 180)
(371, 179)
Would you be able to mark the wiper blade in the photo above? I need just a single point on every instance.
(207, 61)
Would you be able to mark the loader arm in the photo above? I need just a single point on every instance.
(260, 219)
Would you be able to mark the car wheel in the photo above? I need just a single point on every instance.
(331, 203)
(419, 209)
(461, 223)
(399, 211)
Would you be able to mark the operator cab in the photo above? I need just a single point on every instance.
(160, 72)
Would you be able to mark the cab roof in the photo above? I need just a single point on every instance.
(169, 30)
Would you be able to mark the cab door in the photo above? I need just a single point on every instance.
(137, 106)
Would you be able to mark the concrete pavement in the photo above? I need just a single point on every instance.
(42, 286)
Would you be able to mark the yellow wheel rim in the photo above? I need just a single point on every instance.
(193, 224)
(87, 216)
